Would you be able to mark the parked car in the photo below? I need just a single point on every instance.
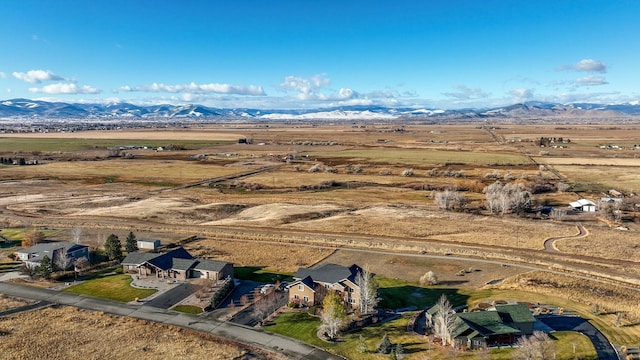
(284, 286)
(266, 288)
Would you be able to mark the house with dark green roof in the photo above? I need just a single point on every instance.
(500, 324)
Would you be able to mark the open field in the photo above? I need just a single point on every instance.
(8, 302)
(127, 171)
(69, 333)
(286, 258)
(285, 217)
(421, 157)
(71, 144)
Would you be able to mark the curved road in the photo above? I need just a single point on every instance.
(549, 244)
(242, 334)
(603, 347)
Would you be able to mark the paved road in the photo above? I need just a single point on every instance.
(573, 323)
(269, 341)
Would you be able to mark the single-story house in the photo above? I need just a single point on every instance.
(583, 205)
(501, 324)
(176, 264)
(148, 244)
(329, 276)
(32, 256)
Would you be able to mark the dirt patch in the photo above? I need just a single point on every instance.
(451, 272)
(273, 214)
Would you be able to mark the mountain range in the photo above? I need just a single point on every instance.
(36, 109)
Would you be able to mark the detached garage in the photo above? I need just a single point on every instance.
(583, 205)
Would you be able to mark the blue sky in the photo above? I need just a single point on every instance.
(302, 54)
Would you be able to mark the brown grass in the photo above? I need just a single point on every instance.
(69, 333)
(604, 242)
(8, 302)
(274, 257)
(586, 293)
(132, 134)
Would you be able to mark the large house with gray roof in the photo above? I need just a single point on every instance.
(175, 264)
(55, 250)
(308, 283)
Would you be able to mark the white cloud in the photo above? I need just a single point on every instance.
(521, 93)
(65, 88)
(466, 93)
(586, 65)
(590, 81)
(37, 76)
(192, 87)
(3, 75)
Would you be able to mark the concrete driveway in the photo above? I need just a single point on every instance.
(172, 296)
(575, 323)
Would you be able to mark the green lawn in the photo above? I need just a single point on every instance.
(114, 287)
(397, 294)
(18, 233)
(304, 327)
(256, 273)
(188, 309)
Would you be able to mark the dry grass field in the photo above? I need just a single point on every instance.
(281, 258)
(373, 207)
(605, 243)
(587, 296)
(8, 302)
(69, 333)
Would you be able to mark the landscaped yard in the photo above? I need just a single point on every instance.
(114, 287)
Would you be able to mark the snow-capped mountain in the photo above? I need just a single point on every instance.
(34, 109)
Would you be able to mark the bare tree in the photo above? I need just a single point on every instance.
(61, 261)
(76, 235)
(450, 200)
(507, 198)
(444, 320)
(558, 214)
(32, 237)
(536, 346)
(611, 210)
(368, 290)
(429, 278)
(265, 305)
(81, 265)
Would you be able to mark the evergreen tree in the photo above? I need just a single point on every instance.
(113, 248)
(400, 350)
(46, 267)
(362, 345)
(385, 345)
(131, 244)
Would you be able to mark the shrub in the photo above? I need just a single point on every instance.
(385, 345)
(407, 172)
(385, 172)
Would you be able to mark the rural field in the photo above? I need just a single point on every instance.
(66, 333)
(294, 195)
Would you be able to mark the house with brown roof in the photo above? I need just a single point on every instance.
(309, 284)
(176, 264)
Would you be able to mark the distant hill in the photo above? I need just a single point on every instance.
(34, 109)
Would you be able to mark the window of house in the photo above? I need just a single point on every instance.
(300, 287)
(306, 298)
(296, 297)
